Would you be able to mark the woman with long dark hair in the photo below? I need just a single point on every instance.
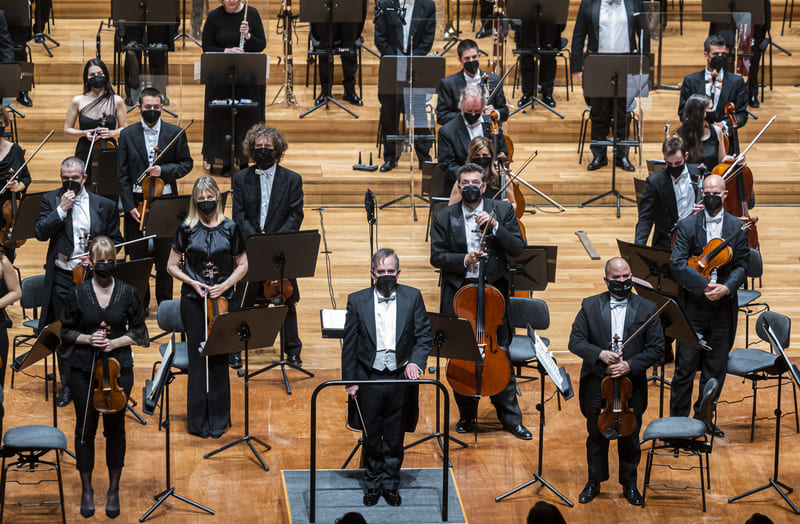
(704, 142)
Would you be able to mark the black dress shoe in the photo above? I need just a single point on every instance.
(519, 431)
(235, 361)
(128, 101)
(294, 359)
(590, 491)
(713, 429)
(633, 495)
(392, 497)
(24, 99)
(597, 162)
(524, 100)
(548, 99)
(371, 497)
(388, 165)
(465, 426)
(483, 33)
(353, 98)
(753, 102)
(320, 99)
(64, 397)
(625, 164)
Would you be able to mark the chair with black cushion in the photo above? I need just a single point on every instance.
(757, 365)
(748, 296)
(524, 312)
(34, 298)
(683, 437)
(562, 52)
(169, 320)
(26, 446)
(633, 131)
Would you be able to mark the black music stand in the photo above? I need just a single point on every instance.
(165, 215)
(650, 264)
(249, 69)
(154, 390)
(411, 77)
(10, 82)
(453, 337)
(27, 213)
(319, 12)
(256, 326)
(293, 255)
(561, 379)
(606, 76)
(104, 180)
(532, 269)
(135, 273)
(722, 11)
(183, 33)
(783, 364)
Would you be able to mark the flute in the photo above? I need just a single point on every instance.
(243, 35)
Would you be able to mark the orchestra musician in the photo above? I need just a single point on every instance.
(9, 293)
(549, 42)
(711, 304)
(714, 81)
(455, 233)
(617, 312)
(405, 31)
(487, 10)
(13, 42)
(70, 216)
(704, 142)
(610, 27)
(268, 198)
(102, 300)
(451, 87)
(213, 261)
(137, 150)
(345, 37)
(11, 157)
(222, 32)
(455, 136)
(387, 335)
(480, 152)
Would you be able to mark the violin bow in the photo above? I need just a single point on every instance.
(164, 151)
(20, 168)
(731, 172)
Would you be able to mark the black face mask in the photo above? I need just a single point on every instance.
(712, 202)
(482, 161)
(71, 184)
(717, 63)
(97, 81)
(207, 206)
(620, 288)
(470, 194)
(385, 284)
(104, 269)
(675, 171)
(150, 116)
(264, 157)
(471, 118)
(471, 67)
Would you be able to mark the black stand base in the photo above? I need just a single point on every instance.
(282, 363)
(42, 38)
(190, 37)
(536, 478)
(248, 439)
(410, 197)
(131, 407)
(164, 495)
(325, 104)
(288, 99)
(613, 192)
(775, 483)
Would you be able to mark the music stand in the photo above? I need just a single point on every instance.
(183, 33)
(317, 12)
(249, 69)
(10, 81)
(293, 255)
(165, 215)
(722, 11)
(104, 179)
(411, 77)
(27, 213)
(135, 273)
(561, 379)
(453, 337)
(607, 76)
(650, 264)
(530, 270)
(154, 390)
(257, 327)
(18, 13)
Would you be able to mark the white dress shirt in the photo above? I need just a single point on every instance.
(385, 322)
(473, 81)
(618, 310)
(684, 196)
(151, 135)
(613, 37)
(473, 232)
(474, 130)
(81, 223)
(713, 230)
(409, 7)
(266, 177)
(713, 89)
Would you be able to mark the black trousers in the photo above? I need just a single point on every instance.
(209, 411)
(391, 108)
(714, 321)
(3, 354)
(344, 37)
(113, 425)
(601, 113)
(41, 14)
(383, 408)
(549, 41)
(62, 287)
(158, 60)
(162, 247)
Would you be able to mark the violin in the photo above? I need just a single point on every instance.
(214, 307)
(717, 252)
(483, 305)
(93, 157)
(80, 272)
(272, 290)
(152, 187)
(108, 397)
(617, 418)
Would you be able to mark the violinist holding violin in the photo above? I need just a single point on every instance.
(617, 312)
(99, 304)
(206, 237)
(11, 158)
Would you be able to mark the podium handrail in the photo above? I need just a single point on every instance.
(313, 451)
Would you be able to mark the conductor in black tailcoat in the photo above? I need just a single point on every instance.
(616, 312)
(455, 250)
(387, 335)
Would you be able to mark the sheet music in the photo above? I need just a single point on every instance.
(333, 318)
(545, 358)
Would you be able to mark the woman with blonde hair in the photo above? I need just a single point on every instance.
(479, 152)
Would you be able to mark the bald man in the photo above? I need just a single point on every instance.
(615, 312)
(710, 304)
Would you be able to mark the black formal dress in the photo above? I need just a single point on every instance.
(658, 208)
(82, 316)
(710, 150)
(132, 161)
(591, 334)
(449, 93)
(716, 320)
(549, 43)
(587, 34)
(221, 31)
(448, 249)
(389, 30)
(100, 112)
(13, 159)
(207, 413)
(284, 215)
(453, 140)
(345, 37)
(384, 407)
(733, 90)
(5, 323)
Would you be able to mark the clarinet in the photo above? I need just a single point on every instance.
(243, 35)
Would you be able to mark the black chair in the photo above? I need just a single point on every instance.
(562, 52)
(757, 365)
(633, 118)
(748, 296)
(434, 189)
(683, 437)
(33, 297)
(524, 312)
(169, 320)
(26, 445)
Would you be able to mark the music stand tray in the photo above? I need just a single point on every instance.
(135, 273)
(165, 215)
(721, 11)
(27, 213)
